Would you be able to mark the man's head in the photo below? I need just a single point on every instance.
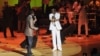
(31, 12)
(6, 3)
(53, 10)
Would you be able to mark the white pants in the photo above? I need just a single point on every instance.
(56, 38)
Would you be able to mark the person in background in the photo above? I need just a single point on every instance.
(71, 21)
(76, 8)
(8, 20)
(55, 28)
(22, 11)
(29, 31)
(83, 20)
(45, 6)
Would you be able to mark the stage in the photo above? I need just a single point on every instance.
(73, 46)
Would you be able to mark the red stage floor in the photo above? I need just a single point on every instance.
(73, 46)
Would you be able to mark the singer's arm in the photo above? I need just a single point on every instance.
(50, 18)
(55, 18)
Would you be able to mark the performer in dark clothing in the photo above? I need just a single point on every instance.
(22, 12)
(7, 19)
(45, 6)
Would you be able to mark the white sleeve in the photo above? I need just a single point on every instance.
(50, 16)
(58, 16)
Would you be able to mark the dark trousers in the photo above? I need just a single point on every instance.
(11, 31)
(29, 45)
(45, 8)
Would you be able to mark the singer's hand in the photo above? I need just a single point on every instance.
(53, 20)
(35, 18)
